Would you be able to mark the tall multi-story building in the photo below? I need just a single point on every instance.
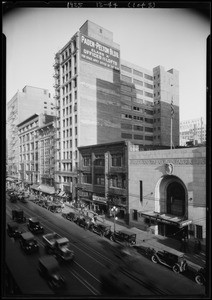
(192, 131)
(22, 105)
(37, 149)
(101, 98)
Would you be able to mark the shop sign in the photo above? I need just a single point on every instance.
(99, 53)
(100, 199)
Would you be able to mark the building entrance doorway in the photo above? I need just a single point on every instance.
(175, 203)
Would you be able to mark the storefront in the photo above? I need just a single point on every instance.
(166, 225)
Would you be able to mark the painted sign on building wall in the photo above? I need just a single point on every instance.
(99, 53)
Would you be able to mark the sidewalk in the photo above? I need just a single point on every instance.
(148, 239)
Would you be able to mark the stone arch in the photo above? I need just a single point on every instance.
(171, 196)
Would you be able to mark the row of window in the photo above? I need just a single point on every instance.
(136, 72)
(99, 179)
(138, 118)
(136, 127)
(116, 160)
(136, 137)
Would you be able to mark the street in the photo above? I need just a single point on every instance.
(94, 257)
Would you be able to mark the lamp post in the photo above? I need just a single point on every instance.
(114, 210)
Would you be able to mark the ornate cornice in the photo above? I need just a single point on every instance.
(174, 161)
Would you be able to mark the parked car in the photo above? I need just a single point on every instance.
(35, 226)
(12, 230)
(48, 268)
(28, 242)
(71, 216)
(124, 237)
(18, 215)
(83, 221)
(55, 208)
(172, 259)
(101, 229)
(145, 251)
(200, 276)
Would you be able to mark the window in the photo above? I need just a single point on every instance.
(148, 129)
(138, 137)
(99, 160)
(137, 127)
(149, 86)
(148, 112)
(141, 191)
(148, 77)
(148, 94)
(138, 82)
(116, 160)
(126, 136)
(199, 232)
(87, 178)
(125, 68)
(147, 120)
(138, 73)
(118, 182)
(126, 78)
(86, 161)
(99, 179)
(148, 138)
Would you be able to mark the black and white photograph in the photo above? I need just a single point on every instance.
(106, 112)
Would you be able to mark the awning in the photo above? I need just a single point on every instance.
(166, 218)
(34, 186)
(46, 189)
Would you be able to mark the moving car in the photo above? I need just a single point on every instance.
(12, 230)
(48, 268)
(101, 229)
(124, 237)
(18, 215)
(172, 259)
(145, 251)
(34, 226)
(28, 243)
(13, 198)
(55, 208)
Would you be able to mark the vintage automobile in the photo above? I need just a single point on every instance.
(18, 215)
(71, 216)
(55, 208)
(101, 229)
(145, 251)
(48, 268)
(12, 230)
(172, 259)
(124, 237)
(200, 276)
(35, 226)
(83, 221)
(28, 242)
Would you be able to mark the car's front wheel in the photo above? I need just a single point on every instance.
(154, 259)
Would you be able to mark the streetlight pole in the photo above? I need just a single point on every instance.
(114, 210)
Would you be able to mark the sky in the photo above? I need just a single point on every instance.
(171, 37)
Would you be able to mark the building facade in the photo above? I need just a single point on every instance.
(101, 98)
(37, 149)
(23, 105)
(164, 190)
(192, 131)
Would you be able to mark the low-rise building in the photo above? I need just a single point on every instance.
(161, 189)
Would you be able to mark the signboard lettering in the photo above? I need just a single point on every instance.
(98, 53)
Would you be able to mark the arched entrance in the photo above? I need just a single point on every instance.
(173, 201)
